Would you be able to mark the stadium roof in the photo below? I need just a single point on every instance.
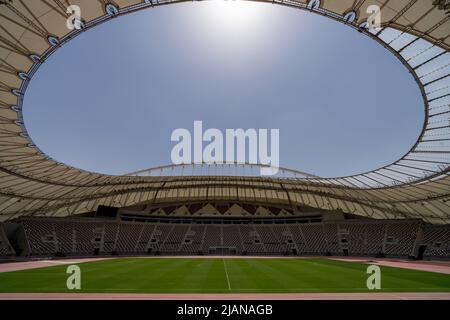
(417, 32)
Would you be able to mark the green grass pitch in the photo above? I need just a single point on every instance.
(216, 275)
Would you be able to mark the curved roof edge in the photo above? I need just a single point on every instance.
(417, 185)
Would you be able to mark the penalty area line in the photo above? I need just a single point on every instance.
(226, 273)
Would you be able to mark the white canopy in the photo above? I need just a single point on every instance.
(415, 186)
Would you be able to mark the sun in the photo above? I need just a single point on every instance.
(234, 13)
(236, 24)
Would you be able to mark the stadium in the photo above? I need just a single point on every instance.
(221, 230)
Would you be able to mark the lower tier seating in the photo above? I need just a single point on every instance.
(5, 247)
(91, 236)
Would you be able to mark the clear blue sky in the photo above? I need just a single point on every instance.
(109, 100)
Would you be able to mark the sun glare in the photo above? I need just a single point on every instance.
(235, 13)
(236, 24)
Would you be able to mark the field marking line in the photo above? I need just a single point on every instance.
(58, 262)
(226, 273)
